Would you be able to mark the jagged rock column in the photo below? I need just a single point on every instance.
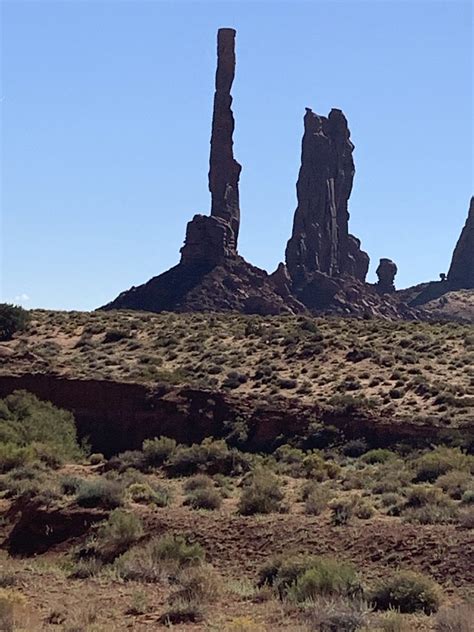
(386, 272)
(212, 239)
(320, 242)
(224, 170)
(461, 271)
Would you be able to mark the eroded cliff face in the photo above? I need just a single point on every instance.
(119, 416)
(461, 271)
(320, 241)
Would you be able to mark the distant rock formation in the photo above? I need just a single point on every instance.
(325, 267)
(386, 273)
(213, 239)
(320, 241)
(461, 271)
(211, 275)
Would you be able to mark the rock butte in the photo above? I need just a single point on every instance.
(461, 271)
(325, 267)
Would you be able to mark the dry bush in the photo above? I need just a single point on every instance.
(457, 618)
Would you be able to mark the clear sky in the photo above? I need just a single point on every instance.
(106, 116)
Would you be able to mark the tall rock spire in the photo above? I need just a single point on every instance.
(212, 239)
(461, 271)
(320, 242)
(224, 170)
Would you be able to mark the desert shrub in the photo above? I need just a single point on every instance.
(344, 404)
(262, 494)
(213, 457)
(100, 493)
(199, 481)
(114, 536)
(343, 509)
(355, 447)
(439, 461)
(336, 614)
(125, 460)
(407, 591)
(457, 618)
(316, 499)
(468, 497)
(156, 451)
(69, 485)
(321, 436)
(378, 455)
(115, 335)
(465, 517)
(148, 494)
(96, 458)
(13, 456)
(325, 577)
(289, 460)
(198, 583)
(182, 611)
(204, 498)
(455, 483)
(318, 468)
(428, 505)
(27, 421)
(12, 320)
(302, 578)
(158, 558)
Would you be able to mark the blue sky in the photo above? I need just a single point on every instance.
(106, 115)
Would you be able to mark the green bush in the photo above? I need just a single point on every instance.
(342, 510)
(315, 498)
(326, 577)
(27, 421)
(117, 534)
(199, 481)
(148, 494)
(100, 493)
(440, 461)
(12, 319)
(97, 458)
(12, 456)
(379, 455)
(210, 456)
(407, 591)
(262, 494)
(70, 485)
(302, 578)
(455, 483)
(158, 450)
(428, 505)
(355, 447)
(204, 498)
(159, 557)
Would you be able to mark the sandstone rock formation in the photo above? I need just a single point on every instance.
(211, 275)
(386, 273)
(320, 242)
(461, 271)
(213, 239)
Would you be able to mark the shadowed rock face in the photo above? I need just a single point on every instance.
(320, 242)
(386, 272)
(212, 239)
(224, 170)
(461, 271)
